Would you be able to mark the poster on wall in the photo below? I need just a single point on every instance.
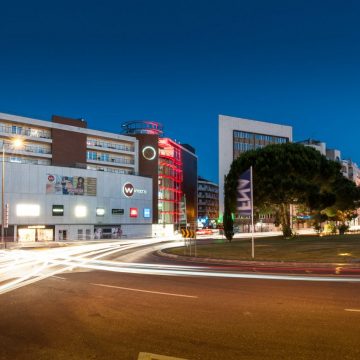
(70, 185)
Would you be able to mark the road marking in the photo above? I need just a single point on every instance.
(148, 356)
(145, 291)
(353, 310)
(58, 277)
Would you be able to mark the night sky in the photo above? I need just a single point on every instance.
(184, 62)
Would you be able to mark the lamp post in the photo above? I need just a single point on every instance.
(16, 144)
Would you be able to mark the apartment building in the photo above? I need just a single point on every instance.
(208, 201)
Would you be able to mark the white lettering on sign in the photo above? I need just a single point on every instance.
(244, 193)
(129, 190)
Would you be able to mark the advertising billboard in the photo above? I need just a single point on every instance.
(70, 185)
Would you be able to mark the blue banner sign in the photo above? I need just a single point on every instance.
(243, 194)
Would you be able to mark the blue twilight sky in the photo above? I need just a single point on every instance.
(184, 62)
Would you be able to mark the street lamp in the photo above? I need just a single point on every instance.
(16, 143)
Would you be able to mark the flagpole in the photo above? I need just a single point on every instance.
(252, 214)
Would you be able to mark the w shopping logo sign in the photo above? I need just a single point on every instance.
(128, 190)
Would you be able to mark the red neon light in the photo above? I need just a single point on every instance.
(171, 189)
(133, 212)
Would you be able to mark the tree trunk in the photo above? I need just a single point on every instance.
(285, 220)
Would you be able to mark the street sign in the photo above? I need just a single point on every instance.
(6, 216)
(188, 234)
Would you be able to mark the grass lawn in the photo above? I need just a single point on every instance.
(336, 248)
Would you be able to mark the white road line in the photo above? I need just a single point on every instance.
(145, 291)
(353, 310)
(59, 277)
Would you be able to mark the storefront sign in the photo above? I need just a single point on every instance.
(117, 211)
(133, 212)
(58, 210)
(129, 190)
(147, 213)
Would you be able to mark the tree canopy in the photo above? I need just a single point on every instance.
(288, 174)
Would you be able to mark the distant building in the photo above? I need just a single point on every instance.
(208, 201)
(351, 171)
(315, 144)
(348, 168)
(237, 135)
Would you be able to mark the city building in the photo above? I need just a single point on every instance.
(68, 182)
(237, 135)
(173, 168)
(348, 168)
(208, 202)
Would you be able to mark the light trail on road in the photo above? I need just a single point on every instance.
(23, 267)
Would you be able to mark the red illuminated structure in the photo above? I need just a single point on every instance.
(170, 181)
(173, 168)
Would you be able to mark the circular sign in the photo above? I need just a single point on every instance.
(128, 189)
(149, 153)
(51, 178)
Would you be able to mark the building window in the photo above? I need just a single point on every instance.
(80, 234)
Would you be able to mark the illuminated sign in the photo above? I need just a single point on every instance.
(149, 153)
(100, 211)
(129, 190)
(80, 211)
(58, 210)
(147, 213)
(133, 212)
(32, 210)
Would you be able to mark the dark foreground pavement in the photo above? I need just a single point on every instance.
(192, 318)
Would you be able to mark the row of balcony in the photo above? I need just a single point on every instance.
(110, 145)
(25, 131)
(93, 156)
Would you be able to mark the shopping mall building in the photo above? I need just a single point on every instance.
(68, 182)
(173, 168)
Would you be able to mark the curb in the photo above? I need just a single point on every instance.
(193, 259)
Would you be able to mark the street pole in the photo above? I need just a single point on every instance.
(252, 215)
(2, 195)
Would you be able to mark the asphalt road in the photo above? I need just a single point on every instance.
(78, 316)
